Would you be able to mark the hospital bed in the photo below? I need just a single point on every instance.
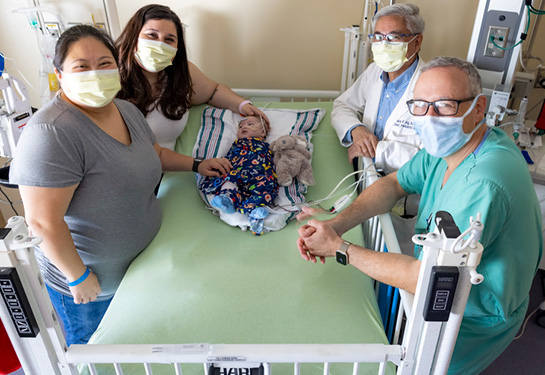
(205, 297)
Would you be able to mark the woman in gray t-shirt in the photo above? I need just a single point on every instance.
(87, 166)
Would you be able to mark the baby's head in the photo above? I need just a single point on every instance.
(252, 127)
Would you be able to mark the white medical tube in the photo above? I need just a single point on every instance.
(522, 111)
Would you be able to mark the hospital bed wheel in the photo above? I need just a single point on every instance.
(540, 317)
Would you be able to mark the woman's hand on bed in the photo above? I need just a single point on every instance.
(87, 291)
(364, 143)
(215, 167)
(249, 110)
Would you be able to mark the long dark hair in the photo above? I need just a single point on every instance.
(174, 98)
(74, 34)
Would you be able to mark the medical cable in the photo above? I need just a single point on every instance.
(521, 60)
(505, 124)
(339, 203)
(343, 200)
(14, 66)
(533, 9)
(524, 325)
(522, 35)
(8, 201)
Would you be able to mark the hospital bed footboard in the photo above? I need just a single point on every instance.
(287, 347)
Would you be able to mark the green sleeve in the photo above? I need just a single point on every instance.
(412, 175)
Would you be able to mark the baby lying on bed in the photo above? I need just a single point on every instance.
(252, 184)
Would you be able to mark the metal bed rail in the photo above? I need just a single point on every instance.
(234, 356)
(379, 233)
(271, 95)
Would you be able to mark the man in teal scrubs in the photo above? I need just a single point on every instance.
(464, 169)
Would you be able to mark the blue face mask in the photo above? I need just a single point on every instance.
(441, 135)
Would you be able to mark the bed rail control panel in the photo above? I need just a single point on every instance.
(213, 370)
(440, 293)
(17, 303)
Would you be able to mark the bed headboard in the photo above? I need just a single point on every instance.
(270, 95)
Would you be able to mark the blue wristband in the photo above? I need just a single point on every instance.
(81, 278)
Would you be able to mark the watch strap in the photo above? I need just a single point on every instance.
(344, 246)
(342, 253)
(196, 163)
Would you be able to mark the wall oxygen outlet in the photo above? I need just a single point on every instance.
(498, 35)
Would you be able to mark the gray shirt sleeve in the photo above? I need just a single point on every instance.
(55, 162)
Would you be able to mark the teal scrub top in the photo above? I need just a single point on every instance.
(494, 180)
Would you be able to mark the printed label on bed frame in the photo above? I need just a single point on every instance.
(180, 349)
(17, 303)
(213, 370)
(227, 359)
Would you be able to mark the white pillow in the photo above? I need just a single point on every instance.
(219, 130)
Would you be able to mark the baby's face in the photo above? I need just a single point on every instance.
(251, 127)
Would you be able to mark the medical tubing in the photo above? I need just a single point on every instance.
(8, 201)
(521, 114)
(524, 325)
(348, 187)
(81, 278)
(533, 9)
(522, 35)
(317, 201)
(505, 124)
(524, 67)
(8, 59)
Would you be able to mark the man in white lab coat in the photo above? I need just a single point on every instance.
(371, 117)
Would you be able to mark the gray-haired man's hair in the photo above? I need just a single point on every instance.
(409, 12)
(475, 85)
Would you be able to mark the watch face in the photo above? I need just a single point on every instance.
(341, 258)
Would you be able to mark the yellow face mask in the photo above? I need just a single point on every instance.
(93, 88)
(390, 57)
(153, 55)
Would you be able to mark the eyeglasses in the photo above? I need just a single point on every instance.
(390, 38)
(443, 107)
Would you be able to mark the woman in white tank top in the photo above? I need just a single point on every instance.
(157, 77)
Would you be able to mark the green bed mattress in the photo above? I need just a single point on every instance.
(202, 281)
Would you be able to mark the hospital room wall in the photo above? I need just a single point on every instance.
(280, 44)
(275, 44)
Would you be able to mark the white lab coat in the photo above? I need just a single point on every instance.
(400, 141)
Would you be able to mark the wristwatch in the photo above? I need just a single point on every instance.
(342, 253)
(196, 163)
